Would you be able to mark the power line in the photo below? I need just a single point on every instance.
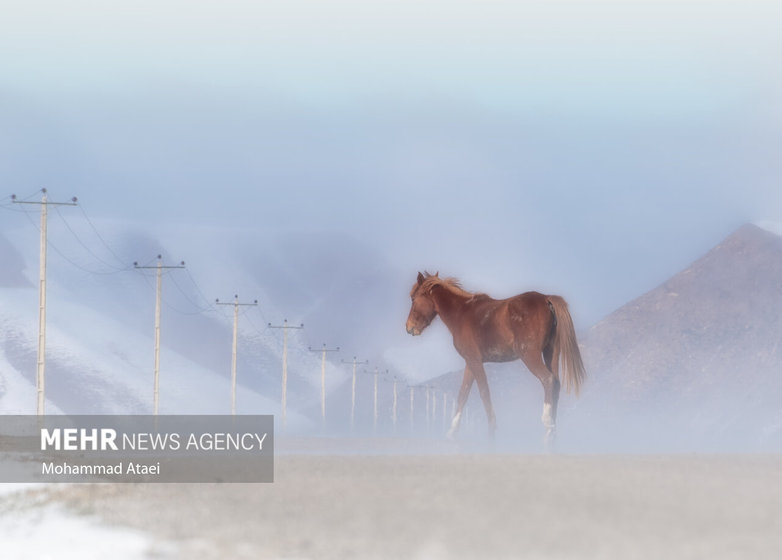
(86, 248)
(258, 331)
(148, 263)
(199, 308)
(198, 288)
(63, 255)
(13, 198)
(166, 302)
(9, 206)
(100, 237)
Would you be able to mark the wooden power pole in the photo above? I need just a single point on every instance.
(323, 378)
(236, 305)
(158, 301)
(394, 407)
(40, 378)
(285, 326)
(412, 407)
(355, 363)
(374, 422)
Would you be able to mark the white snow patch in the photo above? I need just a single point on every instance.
(770, 225)
(17, 394)
(43, 532)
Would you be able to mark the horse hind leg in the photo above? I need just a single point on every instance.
(545, 368)
(549, 417)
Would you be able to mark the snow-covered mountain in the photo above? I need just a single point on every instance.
(100, 321)
(696, 362)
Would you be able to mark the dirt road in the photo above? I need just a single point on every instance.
(462, 506)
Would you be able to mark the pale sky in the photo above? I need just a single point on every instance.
(591, 147)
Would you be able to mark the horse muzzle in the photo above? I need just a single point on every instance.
(413, 331)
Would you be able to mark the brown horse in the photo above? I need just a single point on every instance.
(532, 327)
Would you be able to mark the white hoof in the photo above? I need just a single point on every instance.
(550, 438)
(451, 435)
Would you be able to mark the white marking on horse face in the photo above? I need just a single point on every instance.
(548, 420)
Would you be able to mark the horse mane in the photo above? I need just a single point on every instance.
(451, 284)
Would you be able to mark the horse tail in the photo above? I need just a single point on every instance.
(566, 346)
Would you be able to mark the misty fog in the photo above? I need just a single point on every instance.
(319, 169)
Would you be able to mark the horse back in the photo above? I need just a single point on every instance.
(502, 328)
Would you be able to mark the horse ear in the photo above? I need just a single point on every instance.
(420, 278)
(437, 274)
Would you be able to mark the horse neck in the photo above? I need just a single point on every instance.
(448, 305)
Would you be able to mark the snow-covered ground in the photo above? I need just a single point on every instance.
(34, 528)
(100, 336)
(586, 507)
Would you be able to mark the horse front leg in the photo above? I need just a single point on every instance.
(483, 387)
(464, 392)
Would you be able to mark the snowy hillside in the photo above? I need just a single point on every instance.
(695, 362)
(100, 324)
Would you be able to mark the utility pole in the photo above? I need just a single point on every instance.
(374, 423)
(412, 407)
(41, 367)
(285, 326)
(434, 405)
(427, 408)
(393, 413)
(445, 409)
(430, 421)
(323, 378)
(355, 363)
(236, 305)
(158, 300)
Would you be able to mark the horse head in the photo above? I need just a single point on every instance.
(422, 310)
